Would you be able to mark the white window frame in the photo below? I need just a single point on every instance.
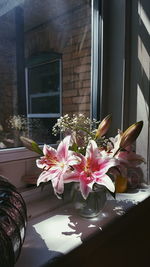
(13, 154)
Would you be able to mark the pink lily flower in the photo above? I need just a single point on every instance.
(127, 157)
(92, 169)
(124, 159)
(55, 163)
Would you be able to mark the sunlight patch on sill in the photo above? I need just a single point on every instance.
(53, 237)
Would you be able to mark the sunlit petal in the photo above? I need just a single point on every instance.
(49, 151)
(107, 182)
(85, 189)
(92, 149)
(71, 176)
(41, 163)
(105, 166)
(62, 150)
(44, 177)
(58, 184)
(73, 160)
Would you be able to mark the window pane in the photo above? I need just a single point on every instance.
(40, 130)
(47, 104)
(44, 88)
(44, 78)
(45, 66)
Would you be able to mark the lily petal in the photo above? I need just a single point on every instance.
(62, 150)
(107, 182)
(73, 159)
(105, 165)
(58, 184)
(44, 177)
(71, 176)
(49, 151)
(41, 163)
(85, 189)
(92, 149)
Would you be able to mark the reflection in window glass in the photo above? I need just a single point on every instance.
(45, 66)
(42, 105)
(43, 89)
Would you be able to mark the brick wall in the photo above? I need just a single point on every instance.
(69, 34)
(7, 79)
(8, 96)
(8, 92)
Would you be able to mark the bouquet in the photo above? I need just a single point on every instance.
(87, 156)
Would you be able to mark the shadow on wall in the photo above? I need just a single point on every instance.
(140, 76)
(140, 60)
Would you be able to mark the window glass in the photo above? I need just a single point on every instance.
(45, 66)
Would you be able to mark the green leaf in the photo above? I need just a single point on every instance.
(74, 147)
(31, 145)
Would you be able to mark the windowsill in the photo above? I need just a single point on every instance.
(11, 154)
(58, 229)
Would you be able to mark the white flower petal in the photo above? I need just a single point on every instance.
(43, 178)
(107, 182)
(62, 150)
(85, 189)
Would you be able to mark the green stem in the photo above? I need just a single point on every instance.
(85, 130)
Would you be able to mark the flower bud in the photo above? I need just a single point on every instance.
(31, 145)
(131, 134)
(103, 126)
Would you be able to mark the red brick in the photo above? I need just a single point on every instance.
(79, 35)
(67, 86)
(67, 108)
(85, 75)
(87, 83)
(70, 78)
(84, 107)
(67, 100)
(83, 68)
(85, 60)
(67, 57)
(84, 91)
(78, 30)
(80, 100)
(78, 84)
(68, 93)
(82, 53)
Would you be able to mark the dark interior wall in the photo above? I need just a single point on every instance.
(113, 73)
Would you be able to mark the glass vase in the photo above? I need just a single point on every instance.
(93, 205)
